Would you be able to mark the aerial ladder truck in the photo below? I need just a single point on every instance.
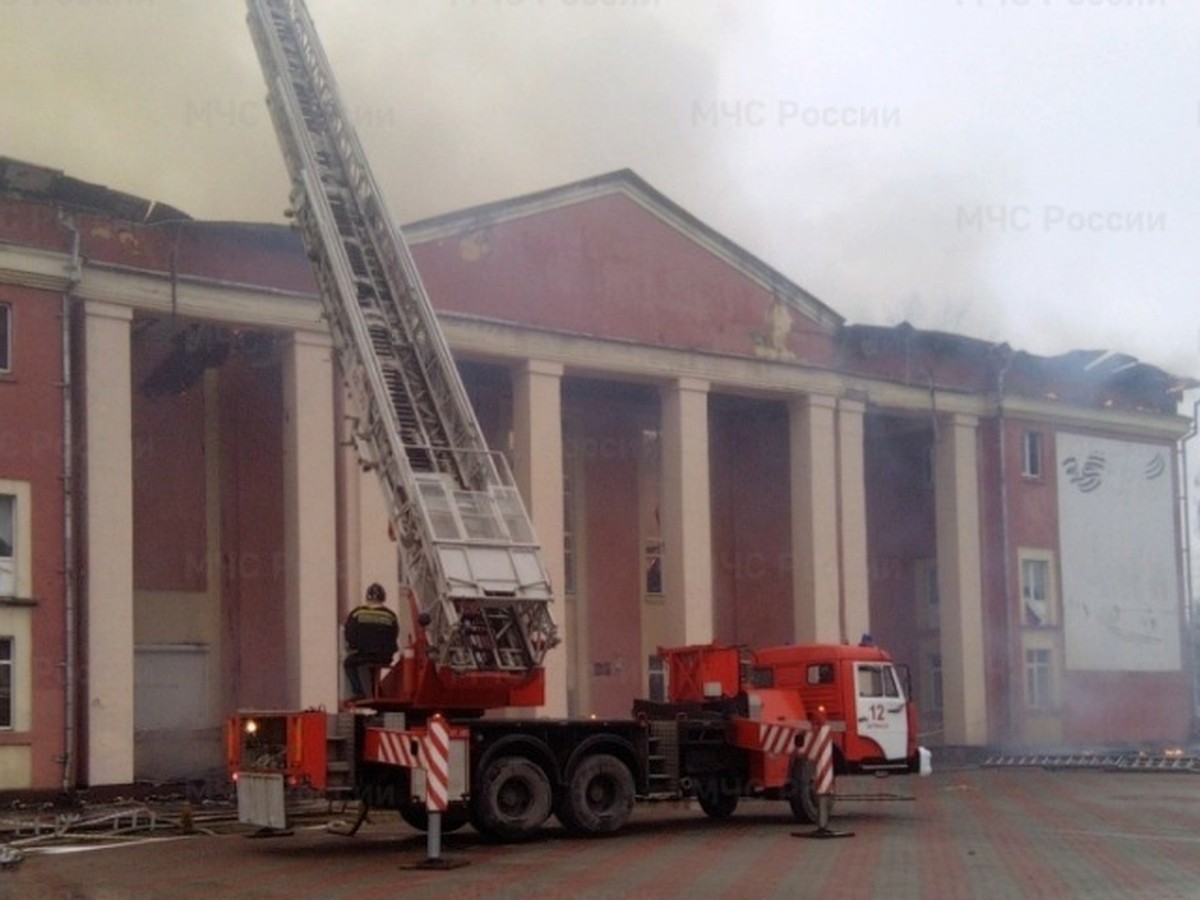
(479, 592)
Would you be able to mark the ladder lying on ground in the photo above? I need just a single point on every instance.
(1107, 761)
(466, 544)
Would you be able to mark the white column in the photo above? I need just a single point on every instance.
(852, 521)
(108, 473)
(686, 513)
(816, 578)
(367, 551)
(310, 523)
(538, 468)
(960, 581)
(372, 554)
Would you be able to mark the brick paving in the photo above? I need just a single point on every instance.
(973, 833)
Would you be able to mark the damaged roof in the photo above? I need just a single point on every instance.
(26, 180)
(1102, 378)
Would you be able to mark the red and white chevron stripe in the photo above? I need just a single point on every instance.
(821, 753)
(429, 752)
(395, 748)
(780, 738)
(437, 765)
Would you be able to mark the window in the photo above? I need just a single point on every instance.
(5, 337)
(1034, 601)
(877, 681)
(654, 582)
(927, 593)
(16, 583)
(6, 683)
(8, 528)
(1039, 681)
(1037, 590)
(1031, 454)
(650, 491)
(820, 673)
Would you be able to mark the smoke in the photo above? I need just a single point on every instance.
(851, 154)
(457, 103)
(483, 101)
(899, 251)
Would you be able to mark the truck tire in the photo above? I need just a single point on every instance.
(715, 799)
(801, 794)
(511, 800)
(417, 816)
(598, 798)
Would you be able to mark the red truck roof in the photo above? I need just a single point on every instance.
(793, 654)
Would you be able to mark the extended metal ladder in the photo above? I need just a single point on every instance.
(1106, 761)
(467, 548)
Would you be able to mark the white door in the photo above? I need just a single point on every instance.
(177, 732)
(170, 687)
(882, 714)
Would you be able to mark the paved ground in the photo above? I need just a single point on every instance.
(974, 833)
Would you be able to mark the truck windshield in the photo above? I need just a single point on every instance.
(877, 681)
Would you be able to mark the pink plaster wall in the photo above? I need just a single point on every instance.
(751, 523)
(609, 442)
(606, 267)
(900, 531)
(170, 548)
(31, 449)
(32, 225)
(252, 534)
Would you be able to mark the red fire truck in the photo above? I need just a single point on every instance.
(734, 719)
(734, 725)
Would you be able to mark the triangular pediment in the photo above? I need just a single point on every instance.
(611, 257)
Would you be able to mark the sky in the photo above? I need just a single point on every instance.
(1013, 170)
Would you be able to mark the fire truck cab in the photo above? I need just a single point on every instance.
(859, 686)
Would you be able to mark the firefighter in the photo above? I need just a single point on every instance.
(371, 631)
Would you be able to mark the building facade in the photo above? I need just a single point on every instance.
(708, 453)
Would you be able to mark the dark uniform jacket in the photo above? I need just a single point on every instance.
(371, 633)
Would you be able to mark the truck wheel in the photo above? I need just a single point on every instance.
(512, 799)
(417, 816)
(801, 793)
(599, 796)
(715, 800)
